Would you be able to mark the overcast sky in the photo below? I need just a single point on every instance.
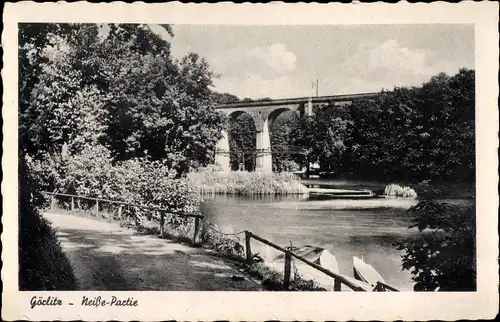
(284, 61)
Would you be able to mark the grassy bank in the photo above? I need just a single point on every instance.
(43, 265)
(211, 181)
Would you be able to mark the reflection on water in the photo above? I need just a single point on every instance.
(347, 228)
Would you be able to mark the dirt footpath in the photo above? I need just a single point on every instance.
(108, 257)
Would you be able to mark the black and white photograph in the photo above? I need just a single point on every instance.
(249, 158)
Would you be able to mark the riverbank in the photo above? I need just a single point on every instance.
(212, 181)
(424, 189)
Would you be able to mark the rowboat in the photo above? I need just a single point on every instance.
(316, 255)
(327, 193)
(365, 272)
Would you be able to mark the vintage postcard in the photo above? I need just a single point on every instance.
(203, 162)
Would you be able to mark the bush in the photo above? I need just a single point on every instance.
(209, 180)
(272, 280)
(394, 190)
(227, 245)
(443, 258)
(140, 181)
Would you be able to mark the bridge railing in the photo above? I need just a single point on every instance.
(258, 152)
(98, 205)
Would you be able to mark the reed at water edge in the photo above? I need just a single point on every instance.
(211, 181)
(394, 190)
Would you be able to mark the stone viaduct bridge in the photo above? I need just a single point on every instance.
(264, 113)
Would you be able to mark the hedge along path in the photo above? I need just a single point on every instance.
(106, 256)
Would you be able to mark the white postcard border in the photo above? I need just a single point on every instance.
(269, 305)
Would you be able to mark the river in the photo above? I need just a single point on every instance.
(346, 227)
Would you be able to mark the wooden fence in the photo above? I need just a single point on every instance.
(338, 279)
(121, 204)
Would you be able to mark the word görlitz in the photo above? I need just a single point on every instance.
(45, 301)
(98, 301)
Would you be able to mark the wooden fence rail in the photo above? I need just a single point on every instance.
(197, 218)
(338, 279)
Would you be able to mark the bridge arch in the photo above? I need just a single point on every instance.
(263, 118)
(242, 139)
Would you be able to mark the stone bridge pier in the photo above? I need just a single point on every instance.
(263, 117)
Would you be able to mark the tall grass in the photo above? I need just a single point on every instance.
(211, 181)
(394, 190)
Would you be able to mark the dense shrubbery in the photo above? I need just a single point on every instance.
(444, 256)
(210, 180)
(394, 190)
(93, 173)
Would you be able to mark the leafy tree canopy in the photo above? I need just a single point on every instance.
(117, 85)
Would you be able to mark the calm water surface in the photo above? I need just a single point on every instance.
(364, 228)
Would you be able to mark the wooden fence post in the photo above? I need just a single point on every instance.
(337, 285)
(120, 212)
(248, 250)
(97, 206)
(288, 266)
(72, 203)
(196, 229)
(52, 201)
(162, 223)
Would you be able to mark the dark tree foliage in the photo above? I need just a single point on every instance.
(223, 98)
(281, 133)
(117, 85)
(416, 133)
(443, 257)
(242, 142)
(242, 134)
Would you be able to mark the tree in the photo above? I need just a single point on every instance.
(64, 105)
(330, 131)
(415, 133)
(117, 85)
(160, 107)
(242, 142)
(223, 98)
(300, 140)
(280, 133)
(443, 258)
